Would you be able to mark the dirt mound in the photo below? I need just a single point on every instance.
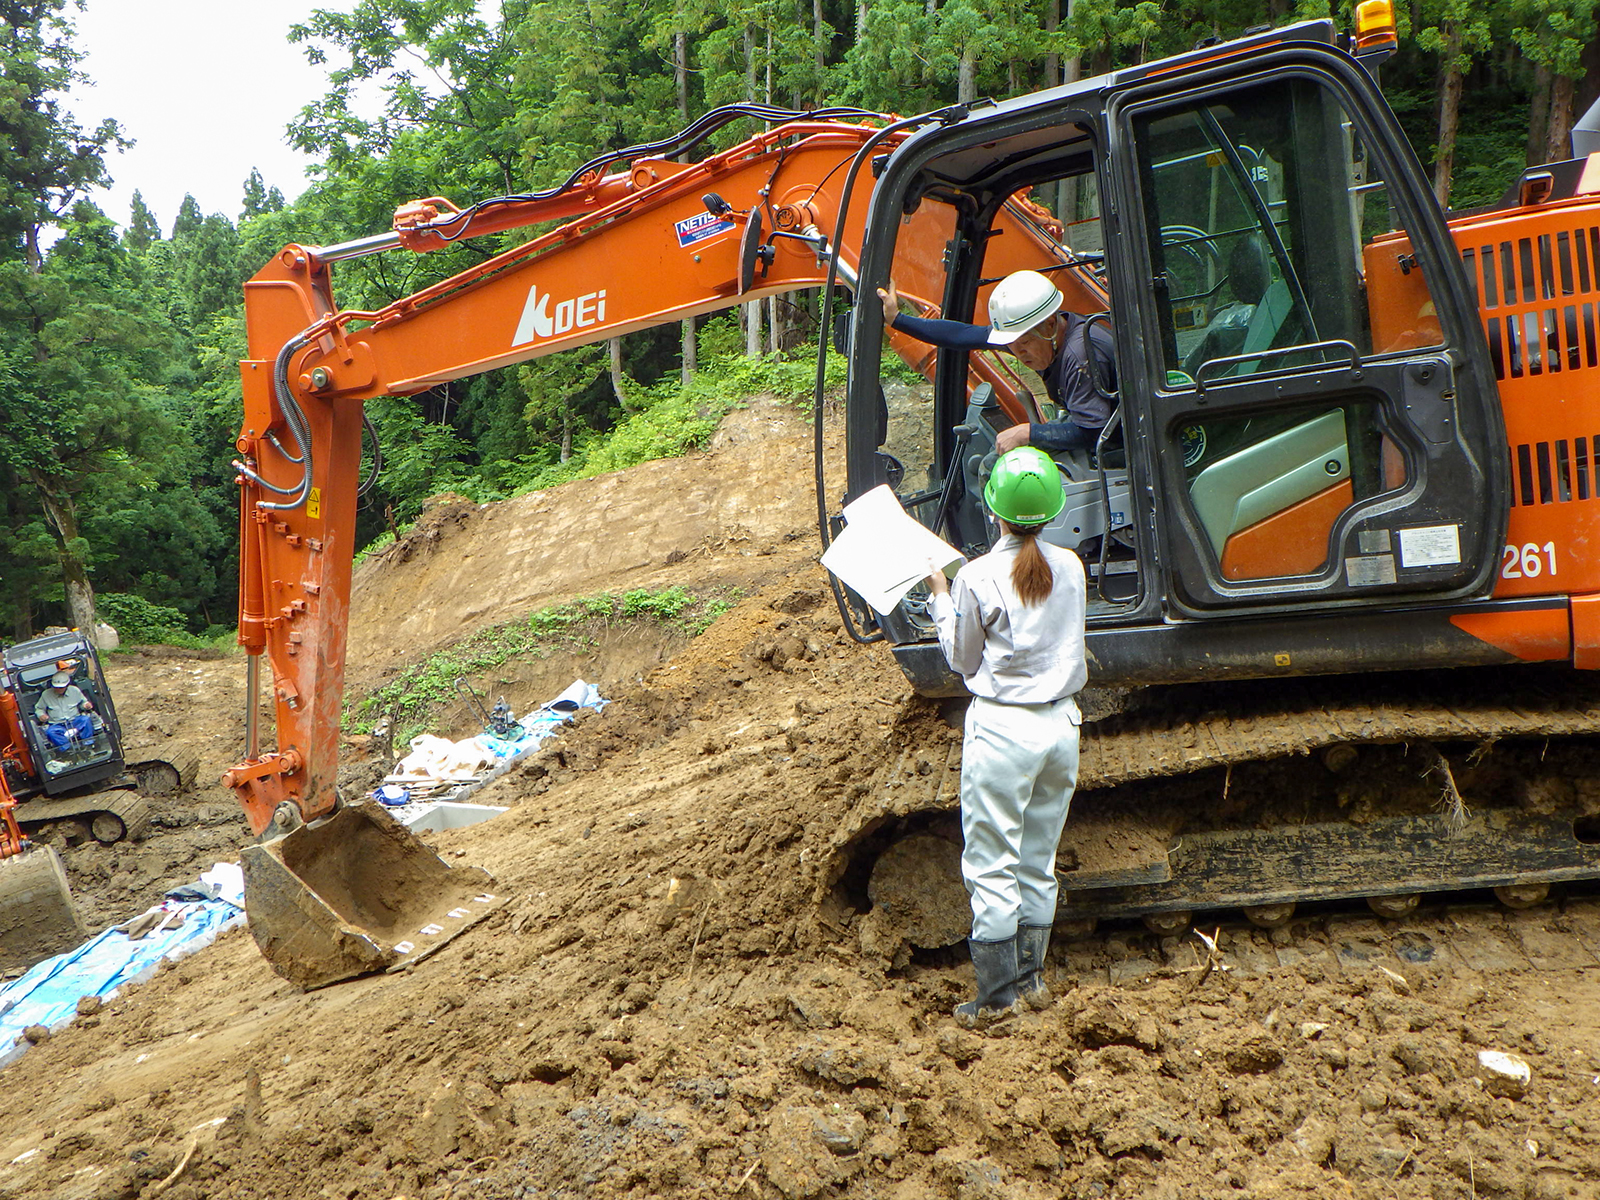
(705, 517)
(684, 996)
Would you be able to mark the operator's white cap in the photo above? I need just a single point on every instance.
(1019, 302)
(60, 679)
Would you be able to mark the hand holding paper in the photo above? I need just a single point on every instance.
(883, 553)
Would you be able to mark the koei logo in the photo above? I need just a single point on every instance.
(539, 322)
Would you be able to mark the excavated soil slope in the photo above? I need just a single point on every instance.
(679, 1000)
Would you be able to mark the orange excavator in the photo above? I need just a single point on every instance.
(1342, 443)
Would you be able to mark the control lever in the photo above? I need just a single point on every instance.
(963, 435)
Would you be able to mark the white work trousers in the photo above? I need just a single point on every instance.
(1019, 766)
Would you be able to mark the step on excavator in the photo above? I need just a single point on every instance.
(69, 773)
(1342, 615)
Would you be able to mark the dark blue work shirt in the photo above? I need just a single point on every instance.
(1065, 379)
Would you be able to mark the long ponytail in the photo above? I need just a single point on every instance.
(1031, 575)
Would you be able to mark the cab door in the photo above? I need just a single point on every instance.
(1319, 399)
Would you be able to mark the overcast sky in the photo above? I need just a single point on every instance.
(205, 89)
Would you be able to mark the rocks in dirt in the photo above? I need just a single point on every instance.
(1313, 1140)
(1107, 1021)
(1504, 1074)
(808, 1150)
(1255, 1055)
(1421, 1056)
(959, 1046)
(845, 1064)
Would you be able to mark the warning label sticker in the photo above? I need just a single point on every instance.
(1430, 546)
(700, 227)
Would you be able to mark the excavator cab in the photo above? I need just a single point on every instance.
(72, 755)
(1305, 419)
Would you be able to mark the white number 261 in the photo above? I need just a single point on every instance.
(1528, 561)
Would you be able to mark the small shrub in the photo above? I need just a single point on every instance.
(143, 622)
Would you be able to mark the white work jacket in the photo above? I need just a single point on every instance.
(1005, 650)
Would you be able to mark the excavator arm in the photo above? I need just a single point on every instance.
(656, 242)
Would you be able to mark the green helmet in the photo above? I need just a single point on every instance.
(1024, 487)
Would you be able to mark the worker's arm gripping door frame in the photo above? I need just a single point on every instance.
(1438, 407)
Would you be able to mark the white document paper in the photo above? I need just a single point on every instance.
(883, 553)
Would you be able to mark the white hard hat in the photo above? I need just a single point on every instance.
(1019, 302)
(60, 679)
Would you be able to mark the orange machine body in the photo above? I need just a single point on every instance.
(1535, 270)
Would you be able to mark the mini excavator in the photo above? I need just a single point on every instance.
(1337, 530)
(81, 777)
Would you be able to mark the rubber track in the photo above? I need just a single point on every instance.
(1193, 728)
(1177, 730)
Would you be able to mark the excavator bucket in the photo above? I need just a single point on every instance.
(37, 916)
(355, 894)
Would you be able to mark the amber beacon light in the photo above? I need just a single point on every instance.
(1375, 31)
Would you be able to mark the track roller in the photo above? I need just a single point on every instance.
(1395, 907)
(1269, 916)
(1522, 895)
(1168, 924)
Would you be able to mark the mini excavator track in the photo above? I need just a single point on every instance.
(1264, 794)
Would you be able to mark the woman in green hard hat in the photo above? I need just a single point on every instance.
(1012, 626)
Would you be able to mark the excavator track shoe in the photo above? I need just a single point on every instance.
(37, 916)
(355, 894)
(113, 816)
(165, 776)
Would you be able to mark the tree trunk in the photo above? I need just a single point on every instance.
(751, 310)
(1558, 132)
(861, 19)
(1449, 112)
(967, 77)
(819, 51)
(566, 429)
(680, 70)
(74, 574)
(752, 328)
(1052, 61)
(1538, 116)
(618, 379)
(691, 352)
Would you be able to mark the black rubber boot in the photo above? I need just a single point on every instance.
(1032, 942)
(995, 965)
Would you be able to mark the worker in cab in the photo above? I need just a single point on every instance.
(1011, 625)
(64, 710)
(1025, 317)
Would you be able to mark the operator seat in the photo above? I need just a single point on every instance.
(1251, 320)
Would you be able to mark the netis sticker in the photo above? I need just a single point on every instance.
(700, 227)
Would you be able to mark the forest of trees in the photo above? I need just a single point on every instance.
(119, 389)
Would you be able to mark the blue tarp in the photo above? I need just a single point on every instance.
(49, 992)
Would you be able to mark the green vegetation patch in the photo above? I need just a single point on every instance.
(420, 692)
(141, 622)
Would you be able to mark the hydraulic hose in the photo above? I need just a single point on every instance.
(377, 455)
(456, 226)
(295, 418)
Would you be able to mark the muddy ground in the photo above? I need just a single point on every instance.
(681, 998)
